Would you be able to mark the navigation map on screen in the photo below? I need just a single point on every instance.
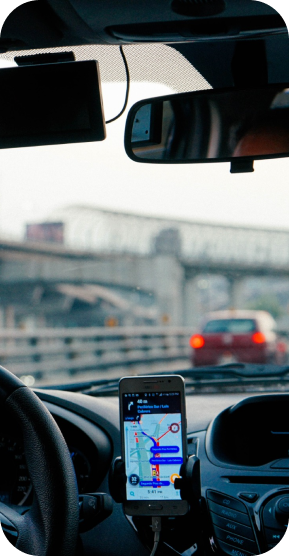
(153, 445)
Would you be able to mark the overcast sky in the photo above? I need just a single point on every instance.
(34, 182)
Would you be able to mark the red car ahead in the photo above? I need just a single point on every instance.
(231, 336)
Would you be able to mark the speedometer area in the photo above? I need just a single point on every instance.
(82, 469)
(90, 454)
(15, 483)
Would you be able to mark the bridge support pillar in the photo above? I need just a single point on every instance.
(236, 292)
(168, 279)
(191, 307)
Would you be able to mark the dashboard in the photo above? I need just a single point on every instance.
(243, 448)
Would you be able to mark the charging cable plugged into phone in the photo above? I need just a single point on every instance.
(189, 484)
(156, 529)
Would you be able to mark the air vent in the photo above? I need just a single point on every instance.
(198, 8)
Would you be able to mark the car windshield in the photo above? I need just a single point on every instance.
(109, 267)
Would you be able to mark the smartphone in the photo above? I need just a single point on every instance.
(154, 444)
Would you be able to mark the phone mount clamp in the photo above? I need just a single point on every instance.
(117, 480)
(189, 482)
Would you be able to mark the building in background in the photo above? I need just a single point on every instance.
(45, 232)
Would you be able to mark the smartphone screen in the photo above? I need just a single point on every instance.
(153, 444)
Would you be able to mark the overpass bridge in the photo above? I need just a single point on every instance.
(130, 255)
(195, 243)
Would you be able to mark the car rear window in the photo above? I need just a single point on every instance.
(234, 326)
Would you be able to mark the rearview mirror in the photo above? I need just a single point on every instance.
(223, 125)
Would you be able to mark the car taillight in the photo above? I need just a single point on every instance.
(259, 338)
(197, 341)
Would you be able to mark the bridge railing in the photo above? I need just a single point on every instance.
(54, 352)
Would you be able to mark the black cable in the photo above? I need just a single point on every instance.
(127, 87)
(156, 543)
(156, 528)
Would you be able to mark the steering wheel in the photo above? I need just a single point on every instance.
(50, 527)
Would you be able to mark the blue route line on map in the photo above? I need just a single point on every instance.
(151, 438)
